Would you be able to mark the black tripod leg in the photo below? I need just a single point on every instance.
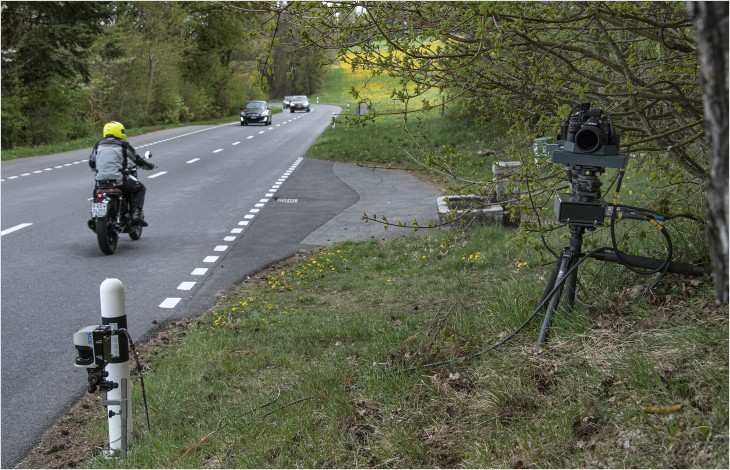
(570, 286)
(551, 283)
(576, 242)
(563, 267)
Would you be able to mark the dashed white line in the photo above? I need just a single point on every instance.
(217, 150)
(170, 302)
(250, 137)
(157, 174)
(13, 229)
(235, 143)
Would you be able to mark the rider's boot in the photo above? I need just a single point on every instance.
(138, 217)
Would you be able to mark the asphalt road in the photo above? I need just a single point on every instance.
(224, 202)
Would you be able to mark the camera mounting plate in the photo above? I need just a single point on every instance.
(585, 159)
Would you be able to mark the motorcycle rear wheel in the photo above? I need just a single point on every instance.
(106, 235)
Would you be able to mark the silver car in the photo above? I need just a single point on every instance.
(299, 103)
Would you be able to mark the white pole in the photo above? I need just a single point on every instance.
(113, 313)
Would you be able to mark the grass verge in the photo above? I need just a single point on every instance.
(305, 366)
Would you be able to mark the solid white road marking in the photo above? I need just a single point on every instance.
(220, 248)
(13, 229)
(211, 259)
(229, 239)
(170, 302)
(199, 271)
(186, 285)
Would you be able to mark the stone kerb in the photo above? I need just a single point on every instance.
(469, 209)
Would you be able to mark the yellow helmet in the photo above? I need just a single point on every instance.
(114, 129)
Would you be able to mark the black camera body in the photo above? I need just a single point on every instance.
(587, 145)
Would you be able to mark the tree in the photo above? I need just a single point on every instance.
(528, 63)
(711, 25)
(45, 51)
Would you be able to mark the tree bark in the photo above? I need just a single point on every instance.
(711, 27)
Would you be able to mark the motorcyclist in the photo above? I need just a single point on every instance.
(109, 158)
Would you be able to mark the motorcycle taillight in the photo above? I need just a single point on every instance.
(99, 196)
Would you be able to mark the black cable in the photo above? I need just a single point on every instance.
(662, 268)
(514, 333)
(139, 372)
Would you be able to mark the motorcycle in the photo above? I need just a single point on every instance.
(111, 212)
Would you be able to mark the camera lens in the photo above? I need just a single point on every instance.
(588, 139)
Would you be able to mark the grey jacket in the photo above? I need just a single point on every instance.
(110, 156)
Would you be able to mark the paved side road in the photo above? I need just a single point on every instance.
(396, 194)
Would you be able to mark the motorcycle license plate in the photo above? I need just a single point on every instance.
(98, 209)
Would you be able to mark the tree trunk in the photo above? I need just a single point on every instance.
(711, 26)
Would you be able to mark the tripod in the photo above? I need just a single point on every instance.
(562, 277)
(565, 273)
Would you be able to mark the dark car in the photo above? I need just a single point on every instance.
(299, 103)
(285, 101)
(255, 111)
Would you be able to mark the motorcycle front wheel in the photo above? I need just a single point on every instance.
(106, 235)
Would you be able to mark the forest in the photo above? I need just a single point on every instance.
(68, 67)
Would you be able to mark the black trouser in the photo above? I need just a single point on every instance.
(133, 190)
